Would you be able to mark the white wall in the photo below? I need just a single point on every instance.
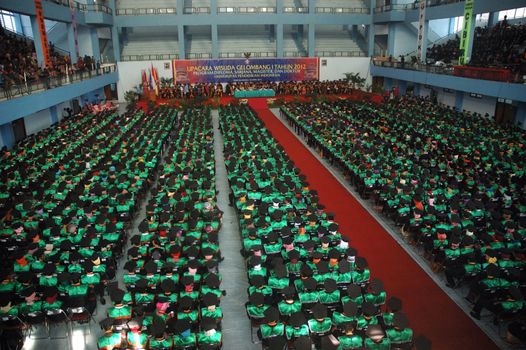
(130, 74)
(447, 98)
(37, 121)
(338, 66)
(405, 40)
(440, 27)
(482, 105)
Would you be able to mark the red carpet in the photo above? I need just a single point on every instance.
(430, 311)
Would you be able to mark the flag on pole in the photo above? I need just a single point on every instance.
(151, 80)
(155, 79)
(144, 83)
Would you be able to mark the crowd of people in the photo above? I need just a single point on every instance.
(454, 183)
(19, 64)
(294, 88)
(308, 287)
(502, 45)
(67, 199)
(172, 297)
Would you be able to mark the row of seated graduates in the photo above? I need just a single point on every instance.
(172, 297)
(453, 182)
(46, 152)
(60, 265)
(306, 284)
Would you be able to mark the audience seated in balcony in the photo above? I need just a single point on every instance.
(19, 64)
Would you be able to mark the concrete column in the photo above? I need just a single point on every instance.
(520, 116)
(279, 40)
(312, 40)
(180, 6)
(388, 84)
(116, 43)
(94, 36)
(312, 7)
(215, 42)
(71, 43)
(402, 87)
(182, 41)
(7, 135)
(279, 6)
(38, 44)
(459, 100)
(391, 33)
(416, 90)
(493, 19)
(370, 40)
(213, 7)
(53, 114)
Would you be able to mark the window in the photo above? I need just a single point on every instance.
(513, 13)
(459, 23)
(7, 20)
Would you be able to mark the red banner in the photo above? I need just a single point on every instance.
(496, 74)
(42, 30)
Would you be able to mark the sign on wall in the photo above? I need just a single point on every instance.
(421, 28)
(465, 37)
(251, 70)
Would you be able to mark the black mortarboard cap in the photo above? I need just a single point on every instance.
(376, 286)
(400, 320)
(271, 314)
(319, 311)
(210, 299)
(257, 299)
(168, 285)
(116, 295)
(297, 319)
(330, 285)
(369, 309)
(394, 304)
(212, 280)
(361, 263)
(157, 328)
(350, 309)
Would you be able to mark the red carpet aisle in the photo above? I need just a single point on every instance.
(429, 309)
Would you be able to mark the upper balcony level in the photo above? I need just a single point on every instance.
(485, 82)
(407, 11)
(59, 10)
(232, 7)
(30, 97)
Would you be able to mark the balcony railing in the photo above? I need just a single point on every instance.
(32, 87)
(296, 10)
(99, 8)
(328, 53)
(428, 68)
(196, 10)
(146, 11)
(341, 10)
(242, 54)
(245, 10)
(294, 54)
(84, 7)
(152, 57)
(413, 6)
(198, 55)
